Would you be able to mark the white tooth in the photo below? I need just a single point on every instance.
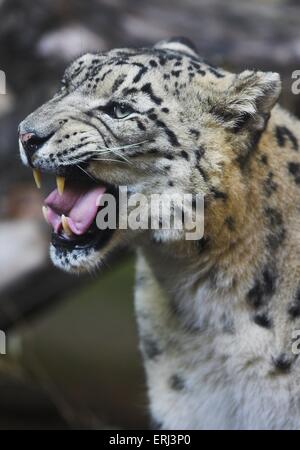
(45, 213)
(37, 178)
(65, 225)
(60, 182)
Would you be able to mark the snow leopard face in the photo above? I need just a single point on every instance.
(155, 120)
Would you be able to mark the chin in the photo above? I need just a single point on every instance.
(87, 255)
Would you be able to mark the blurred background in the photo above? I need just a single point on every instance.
(72, 358)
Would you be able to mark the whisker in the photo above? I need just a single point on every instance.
(121, 156)
(125, 146)
(79, 167)
(101, 152)
(115, 152)
(110, 160)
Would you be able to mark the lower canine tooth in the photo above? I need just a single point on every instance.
(45, 213)
(65, 225)
(37, 178)
(60, 182)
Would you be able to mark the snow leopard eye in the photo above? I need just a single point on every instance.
(119, 110)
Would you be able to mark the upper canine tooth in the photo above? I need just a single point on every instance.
(45, 213)
(60, 182)
(37, 178)
(65, 225)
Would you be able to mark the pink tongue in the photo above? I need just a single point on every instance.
(78, 204)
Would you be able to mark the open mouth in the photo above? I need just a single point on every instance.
(71, 210)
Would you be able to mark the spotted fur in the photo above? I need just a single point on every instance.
(216, 317)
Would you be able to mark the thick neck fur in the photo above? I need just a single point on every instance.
(250, 235)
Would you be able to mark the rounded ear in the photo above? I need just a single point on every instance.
(178, 44)
(249, 99)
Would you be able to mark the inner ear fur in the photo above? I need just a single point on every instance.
(249, 99)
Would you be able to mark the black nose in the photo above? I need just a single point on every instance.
(31, 143)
